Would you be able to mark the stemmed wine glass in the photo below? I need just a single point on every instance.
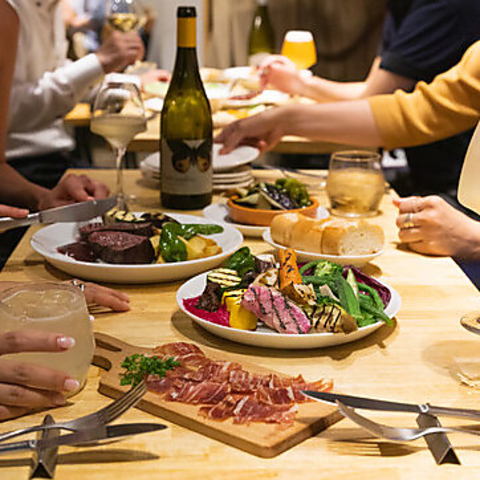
(118, 115)
(124, 16)
(299, 47)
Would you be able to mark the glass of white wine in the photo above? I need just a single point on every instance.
(119, 115)
(56, 308)
(124, 16)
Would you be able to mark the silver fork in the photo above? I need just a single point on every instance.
(98, 419)
(397, 434)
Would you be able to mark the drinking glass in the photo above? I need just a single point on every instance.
(51, 307)
(299, 47)
(118, 115)
(124, 16)
(355, 183)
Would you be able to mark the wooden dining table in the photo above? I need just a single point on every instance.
(422, 358)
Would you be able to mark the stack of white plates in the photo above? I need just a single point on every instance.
(229, 171)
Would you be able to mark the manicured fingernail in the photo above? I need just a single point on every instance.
(71, 385)
(59, 400)
(65, 343)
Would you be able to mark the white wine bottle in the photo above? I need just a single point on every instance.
(186, 127)
(261, 41)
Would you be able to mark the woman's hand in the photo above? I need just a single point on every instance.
(106, 297)
(282, 74)
(262, 131)
(432, 226)
(73, 189)
(26, 387)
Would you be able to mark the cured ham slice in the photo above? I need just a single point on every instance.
(224, 390)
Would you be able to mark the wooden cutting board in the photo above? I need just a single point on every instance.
(261, 439)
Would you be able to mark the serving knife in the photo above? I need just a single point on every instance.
(90, 437)
(77, 212)
(389, 406)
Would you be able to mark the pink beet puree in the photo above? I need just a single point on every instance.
(220, 317)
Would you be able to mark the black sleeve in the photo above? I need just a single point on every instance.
(431, 39)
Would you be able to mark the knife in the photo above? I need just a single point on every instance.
(85, 437)
(45, 459)
(388, 406)
(77, 212)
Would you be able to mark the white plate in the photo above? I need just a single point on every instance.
(264, 337)
(154, 104)
(356, 261)
(221, 187)
(221, 163)
(48, 239)
(213, 90)
(267, 97)
(218, 212)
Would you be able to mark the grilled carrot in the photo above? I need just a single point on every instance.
(289, 273)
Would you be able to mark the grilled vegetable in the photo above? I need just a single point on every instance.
(295, 189)
(171, 247)
(289, 273)
(242, 261)
(225, 277)
(240, 317)
(330, 317)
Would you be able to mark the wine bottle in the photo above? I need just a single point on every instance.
(261, 41)
(186, 127)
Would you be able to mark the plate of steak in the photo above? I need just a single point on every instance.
(123, 254)
(282, 324)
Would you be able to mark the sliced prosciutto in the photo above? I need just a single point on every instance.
(275, 310)
(224, 390)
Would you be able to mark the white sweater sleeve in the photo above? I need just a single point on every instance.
(33, 105)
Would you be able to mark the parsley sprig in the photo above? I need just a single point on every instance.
(138, 366)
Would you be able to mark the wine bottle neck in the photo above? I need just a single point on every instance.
(187, 32)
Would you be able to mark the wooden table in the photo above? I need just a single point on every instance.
(418, 360)
(148, 141)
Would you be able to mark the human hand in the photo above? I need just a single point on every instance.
(103, 296)
(7, 211)
(154, 75)
(27, 387)
(430, 225)
(73, 189)
(281, 73)
(262, 131)
(120, 50)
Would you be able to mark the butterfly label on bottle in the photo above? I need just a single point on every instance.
(186, 166)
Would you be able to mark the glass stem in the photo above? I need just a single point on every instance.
(120, 153)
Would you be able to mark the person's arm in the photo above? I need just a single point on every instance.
(281, 73)
(35, 104)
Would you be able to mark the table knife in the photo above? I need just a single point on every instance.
(77, 212)
(389, 406)
(85, 438)
(45, 458)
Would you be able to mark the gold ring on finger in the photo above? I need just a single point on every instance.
(408, 223)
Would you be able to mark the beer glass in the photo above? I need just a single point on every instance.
(299, 47)
(52, 307)
(355, 183)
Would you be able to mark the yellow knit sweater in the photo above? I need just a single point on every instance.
(445, 107)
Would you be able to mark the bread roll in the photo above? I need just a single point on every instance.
(282, 226)
(342, 237)
(332, 236)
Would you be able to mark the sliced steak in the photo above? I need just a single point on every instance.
(121, 248)
(142, 229)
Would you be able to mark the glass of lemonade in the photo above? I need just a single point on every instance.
(355, 183)
(299, 47)
(51, 307)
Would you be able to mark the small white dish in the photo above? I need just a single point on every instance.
(267, 338)
(154, 104)
(356, 261)
(48, 239)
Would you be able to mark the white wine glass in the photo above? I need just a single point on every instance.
(119, 115)
(124, 16)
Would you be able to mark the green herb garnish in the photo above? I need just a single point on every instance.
(138, 366)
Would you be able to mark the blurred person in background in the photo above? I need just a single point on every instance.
(46, 86)
(422, 38)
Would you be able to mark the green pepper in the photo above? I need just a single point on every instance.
(171, 247)
(367, 305)
(348, 299)
(189, 230)
(373, 293)
(242, 261)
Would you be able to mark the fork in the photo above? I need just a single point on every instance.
(98, 419)
(397, 434)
